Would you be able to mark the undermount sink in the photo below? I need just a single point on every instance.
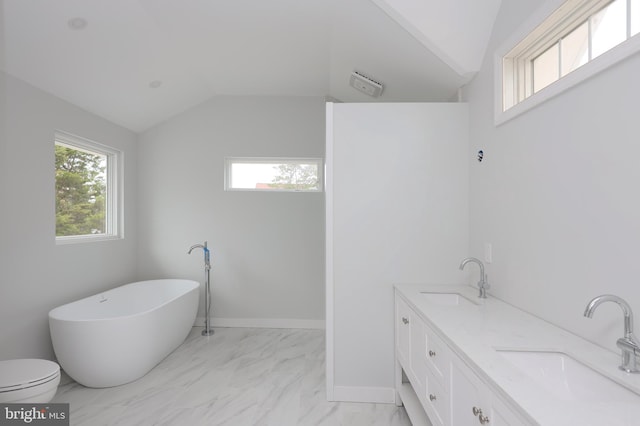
(567, 378)
(447, 299)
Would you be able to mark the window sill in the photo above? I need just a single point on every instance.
(80, 239)
(297, 191)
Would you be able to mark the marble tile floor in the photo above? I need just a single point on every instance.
(237, 377)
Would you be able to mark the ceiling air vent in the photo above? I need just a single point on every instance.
(365, 84)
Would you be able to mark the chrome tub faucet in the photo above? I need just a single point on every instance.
(208, 331)
(483, 284)
(628, 344)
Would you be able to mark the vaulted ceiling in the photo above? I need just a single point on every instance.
(192, 50)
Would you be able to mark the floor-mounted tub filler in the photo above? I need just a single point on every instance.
(118, 336)
(208, 331)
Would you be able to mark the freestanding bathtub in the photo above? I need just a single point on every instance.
(118, 336)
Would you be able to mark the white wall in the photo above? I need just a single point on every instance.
(267, 248)
(557, 194)
(397, 211)
(37, 275)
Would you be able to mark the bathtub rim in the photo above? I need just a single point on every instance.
(52, 313)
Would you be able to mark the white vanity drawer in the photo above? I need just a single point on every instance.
(437, 401)
(438, 358)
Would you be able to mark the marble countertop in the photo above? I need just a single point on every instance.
(475, 332)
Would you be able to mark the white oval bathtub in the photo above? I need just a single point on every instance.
(118, 336)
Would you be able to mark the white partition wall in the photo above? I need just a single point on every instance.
(397, 211)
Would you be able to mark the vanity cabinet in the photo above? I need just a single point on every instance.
(434, 380)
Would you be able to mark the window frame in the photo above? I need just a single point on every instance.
(550, 23)
(229, 161)
(114, 188)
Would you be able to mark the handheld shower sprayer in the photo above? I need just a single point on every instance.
(207, 289)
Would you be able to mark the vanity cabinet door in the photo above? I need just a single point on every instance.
(470, 403)
(403, 332)
(473, 403)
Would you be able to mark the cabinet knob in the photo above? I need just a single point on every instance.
(432, 353)
(404, 320)
(432, 397)
(476, 411)
(483, 419)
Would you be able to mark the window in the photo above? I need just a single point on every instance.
(576, 39)
(273, 174)
(87, 188)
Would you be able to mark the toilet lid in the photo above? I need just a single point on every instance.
(21, 373)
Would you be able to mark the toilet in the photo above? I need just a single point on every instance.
(28, 380)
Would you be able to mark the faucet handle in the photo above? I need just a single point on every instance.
(629, 344)
(483, 284)
(630, 348)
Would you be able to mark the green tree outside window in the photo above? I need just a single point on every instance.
(295, 176)
(80, 192)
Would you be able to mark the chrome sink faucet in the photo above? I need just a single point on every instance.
(628, 344)
(483, 284)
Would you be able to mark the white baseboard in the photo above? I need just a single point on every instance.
(262, 323)
(362, 394)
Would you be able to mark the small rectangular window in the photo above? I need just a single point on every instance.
(560, 50)
(274, 174)
(86, 177)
